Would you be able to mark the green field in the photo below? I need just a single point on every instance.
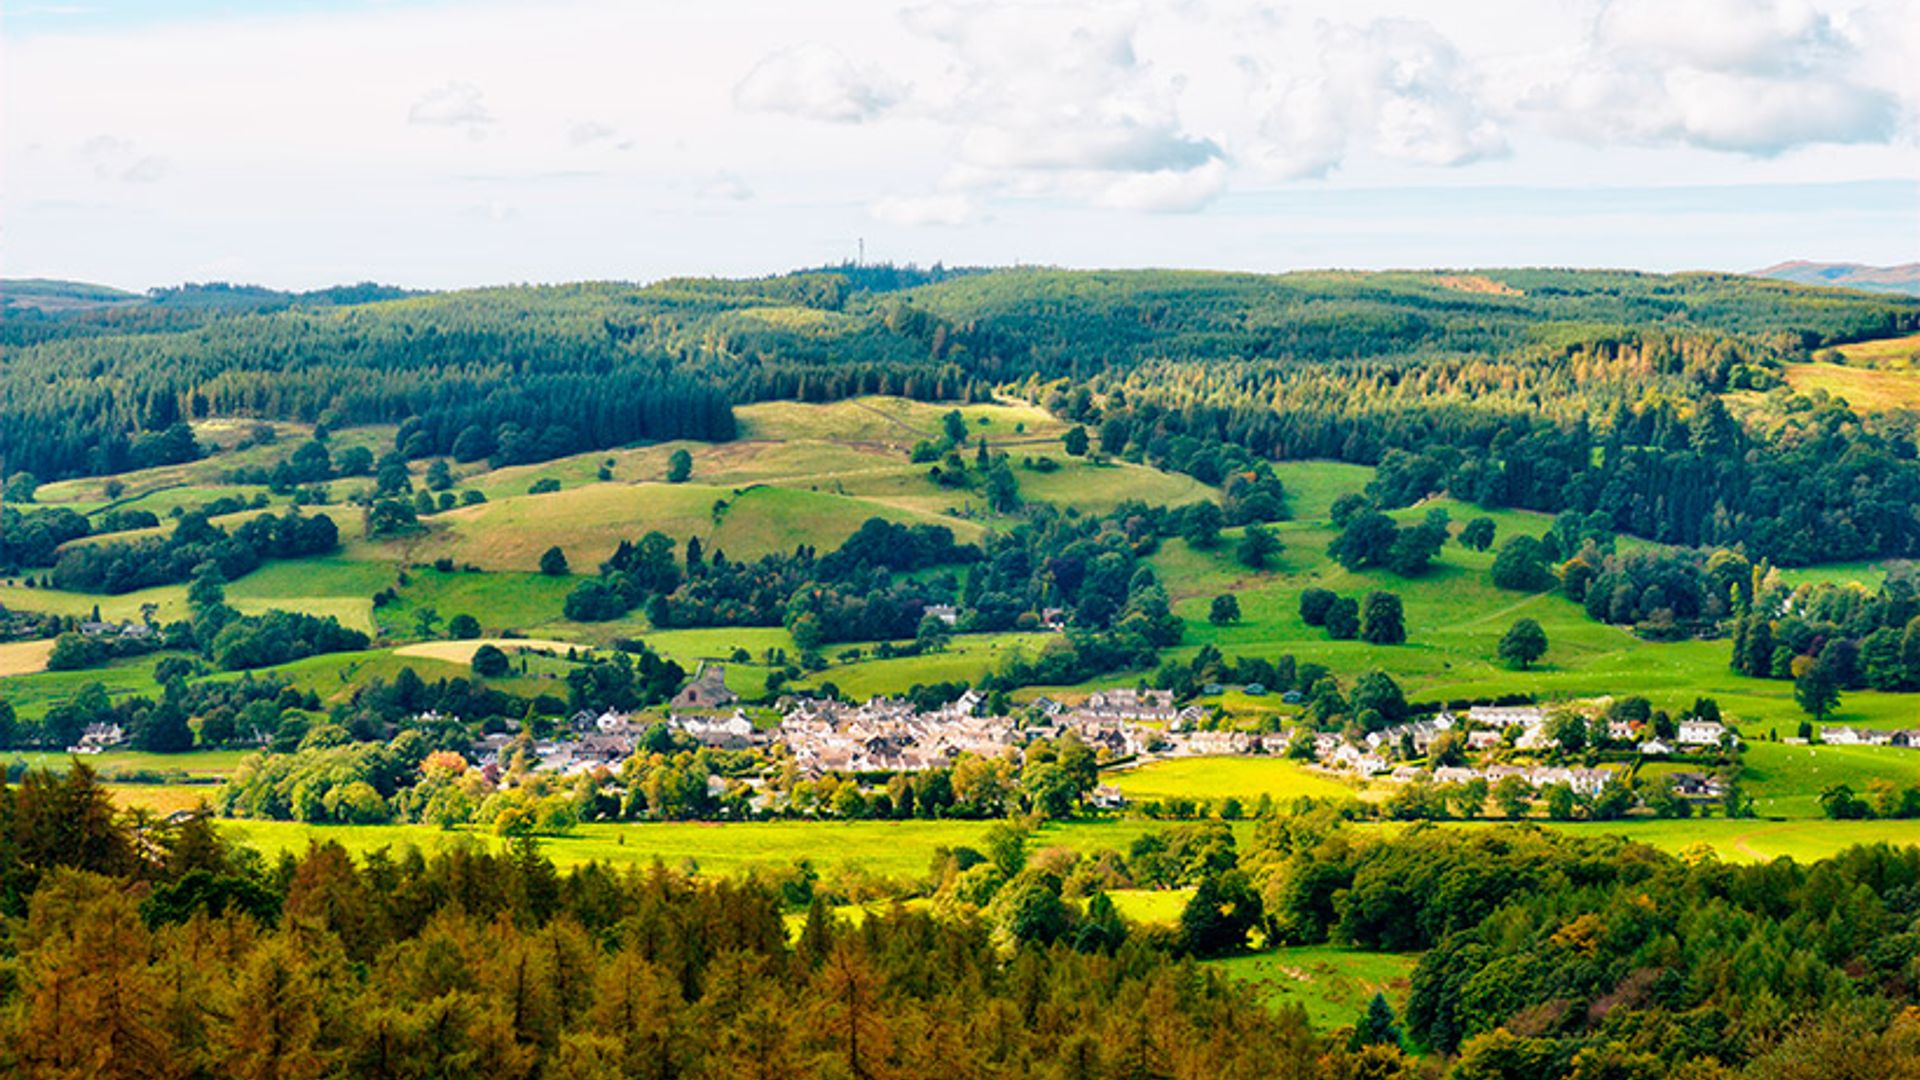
(967, 657)
(197, 764)
(1889, 352)
(1869, 389)
(901, 850)
(1786, 781)
(1333, 984)
(1159, 907)
(1215, 778)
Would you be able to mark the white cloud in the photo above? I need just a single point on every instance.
(1397, 87)
(113, 158)
(917, 210)
(1053, 130)
(1759, 77)
(1053, 99)
(726, 187)
(1166, 190)
(456, 105)
(818, 83)
(588, 132)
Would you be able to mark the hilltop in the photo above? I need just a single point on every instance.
(1904, 278)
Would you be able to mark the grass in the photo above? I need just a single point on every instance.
(209, 472)
(200, 764)
(967, 657)
(589, 522)
(1884, 351)
(1332, 984)
(32, 695)
(896, 422)
(1313, 485)
(1755, 840)
(1214, 778)
(1157, 907)
(160, 799)
(24, 657)
(1786, 781)
(461, 652)
(1455, 618)
(1870, 389)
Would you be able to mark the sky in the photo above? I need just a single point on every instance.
(439, 144)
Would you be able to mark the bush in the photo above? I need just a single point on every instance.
(490, 663)
(1314, 605)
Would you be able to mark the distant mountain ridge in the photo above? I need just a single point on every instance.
(1904, 278)
(48, 296)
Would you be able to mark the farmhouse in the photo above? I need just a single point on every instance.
(708, 690)
(946, 613)
(98, 737)
(1506, 716)
(735, 732)
(1131, 705)
(1700, 733)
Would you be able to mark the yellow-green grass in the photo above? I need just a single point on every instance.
(1332, 984)
(228, 522)
(1869, 573)
(966, 658)
(902, 851)
(1215, 778)
(210, 471)
(336, 676)
(461, 652)
(775, 520)
(1884, 351)
(1455, 618)
(163, 501)
(32, 695)
(1786, 781)
(717, 643)
(729, 464)
(1312, 486)
(895, 421)
(1097, 489)
(589, 522)
(161, 799)
(1754, 840)
(520, 602)
(24, 657)
(171, 600)
(1157, 907)
(1864, 388)
(197, 764)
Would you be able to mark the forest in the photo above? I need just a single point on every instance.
(1546, 956)
(1590, 391)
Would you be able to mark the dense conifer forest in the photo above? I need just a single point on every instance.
(1551, 390)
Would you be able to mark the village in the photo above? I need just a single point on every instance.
(1128, 728)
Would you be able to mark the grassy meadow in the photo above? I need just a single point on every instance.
(1332, 984)
(810, 474)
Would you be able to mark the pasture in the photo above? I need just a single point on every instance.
(1786, 781)
(24, 657)
(901, 851)
(1884, 352)
(1332, 984)
(1216, 778)
(1868, 389)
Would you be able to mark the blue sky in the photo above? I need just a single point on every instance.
(300, 142)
